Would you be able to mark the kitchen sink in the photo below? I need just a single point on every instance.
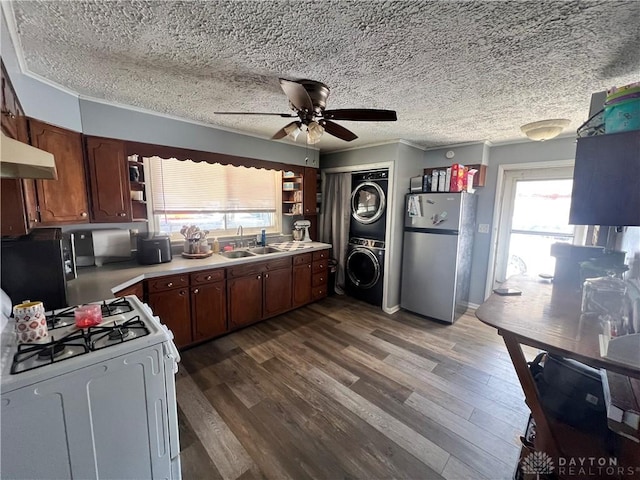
(237, 254)
(263, 250)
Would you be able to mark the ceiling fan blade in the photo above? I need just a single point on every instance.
(361, 115)
(283, 115)
(338, 131)
(283, 132)
(297, 95)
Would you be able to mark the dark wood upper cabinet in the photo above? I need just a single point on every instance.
(605, 180)
(310, 187)
(109, 180)
(63, 200)
(11, 108)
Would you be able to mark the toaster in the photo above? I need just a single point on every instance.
(154, 249)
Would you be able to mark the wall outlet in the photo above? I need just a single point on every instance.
(483, 228)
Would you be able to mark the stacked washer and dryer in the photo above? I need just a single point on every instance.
(366, 250)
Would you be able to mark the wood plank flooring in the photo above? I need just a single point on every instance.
(339, 389)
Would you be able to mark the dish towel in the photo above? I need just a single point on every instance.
(413, 206)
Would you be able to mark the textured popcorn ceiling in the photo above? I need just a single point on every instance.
(454, 71)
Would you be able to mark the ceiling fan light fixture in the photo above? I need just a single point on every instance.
(544, 129)
(314, 132)
(293, 130)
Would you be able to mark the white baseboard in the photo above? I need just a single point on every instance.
(391, 310)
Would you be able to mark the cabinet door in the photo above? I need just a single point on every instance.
(605, 187)
(14, 220)
(310, 187)
(11, 109)
(301, 284)
(209, 310)
(244, 298)
(109, 180)
(277, 292)
(63, 200)
(172, 306)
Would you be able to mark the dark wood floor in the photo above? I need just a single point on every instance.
(340, 389)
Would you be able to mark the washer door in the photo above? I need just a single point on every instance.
(367, 202)
(363, 268)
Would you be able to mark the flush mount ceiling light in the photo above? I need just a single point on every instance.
(544, 129)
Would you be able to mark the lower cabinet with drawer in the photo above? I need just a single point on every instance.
(302, 277)
(202, 305)
(208, 304)
(168, 297)
(193, 306)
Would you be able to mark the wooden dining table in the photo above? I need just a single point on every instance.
(548, 317)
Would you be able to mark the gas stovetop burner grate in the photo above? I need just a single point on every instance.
(104, 336)
(114, 307)
(35, 355)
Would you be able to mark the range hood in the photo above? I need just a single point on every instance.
(19, 160)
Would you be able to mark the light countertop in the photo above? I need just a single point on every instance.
(99, 283)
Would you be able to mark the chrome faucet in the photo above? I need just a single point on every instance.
(240, 233)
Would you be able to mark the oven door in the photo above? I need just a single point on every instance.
(368, 202)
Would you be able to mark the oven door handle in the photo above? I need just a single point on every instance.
(170, 370)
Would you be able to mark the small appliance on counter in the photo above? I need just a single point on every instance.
(301, 231)
(153, 249)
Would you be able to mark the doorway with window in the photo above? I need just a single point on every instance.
(534, 214)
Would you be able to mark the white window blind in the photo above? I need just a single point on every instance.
(213, 196)
(186, 186)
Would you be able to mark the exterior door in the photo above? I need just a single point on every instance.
(534, 215)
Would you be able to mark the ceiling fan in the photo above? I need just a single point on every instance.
(308, 99)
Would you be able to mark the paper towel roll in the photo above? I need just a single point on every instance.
(111, 245)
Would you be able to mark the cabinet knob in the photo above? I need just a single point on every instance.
(34, 220)
(196, 290)
(182, 292)
(266, 275)
(322, 279)
(170, 284)
(259, 277)
(208, 277)
(309, 266)
(8, 114)
(83, 214)
(321, 265)
(122, 214)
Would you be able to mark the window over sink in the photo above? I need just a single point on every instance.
(218, 198)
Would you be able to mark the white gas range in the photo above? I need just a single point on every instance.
(95, 403)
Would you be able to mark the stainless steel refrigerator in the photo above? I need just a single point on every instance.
(436, 256)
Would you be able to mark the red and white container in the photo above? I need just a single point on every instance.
(31, 323)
